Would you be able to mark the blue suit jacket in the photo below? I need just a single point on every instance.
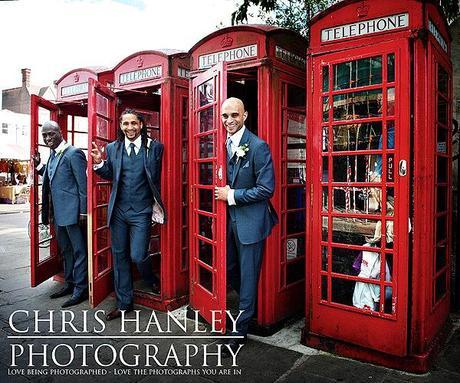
(254, 183)
(112, 168)
(66, 190)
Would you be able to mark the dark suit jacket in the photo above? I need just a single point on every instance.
(112, 168)
(65, 194)
(254, 183)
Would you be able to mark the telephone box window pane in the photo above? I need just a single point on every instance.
(440, 257)
(442, 110)
(296, 173)
(101, 216)
(326, 108)
(205, 226)
(325, 229)
(295, 247)
(355, 105)
(366, 136)
(325, 78)
(443, 80)
(296, 123)
(102, 261)
(296, 148)
(324, 258)
(356, 231)
(80, 140)
(325, 169)
(342, 291)
(295, 198)
(442, 169)
(348, 262)
(441, 287)
(325, 198)
(205, 173)
(353, 168)
(442, 141)
(206, 120)
(324, 287)
(206, 145)
(357, 200)
(102, 194)
(206, 93)
(441, 199)
(389, 308)
(44, 251)
(441, 228)
(391, 67)
(391, 101)
(205, 278)
(295, 271)
(102, 239)
(102, 105)
(296, 97)
(296, 154)
(206, 200)
(101, 127)
(205, 252)
(325, 139)
(363, 72)
(295, 222)
(390, 135)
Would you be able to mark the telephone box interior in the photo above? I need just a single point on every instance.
(265, 67)
(378, 226)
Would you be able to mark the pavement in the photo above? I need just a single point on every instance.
(152, 351)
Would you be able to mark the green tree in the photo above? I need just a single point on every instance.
(296, 14)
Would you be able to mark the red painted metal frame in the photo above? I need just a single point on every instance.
(201, 298)
(426, 324)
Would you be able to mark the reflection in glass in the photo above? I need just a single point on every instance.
(355, 105)
(353, 231)
(391, 67)
(206, 119)
(206, 93)
(325, 229)
(325, 169)
(295, 222)
(296, 154)
(296, 173)
(205, 197)
(296, 148)
(205, 172)
(101, 127)
(324, 258)
(325, 140)
(206, 145)
(353, 168)
(325, 198)
(325, 78)
(296, 123)
(366, 136)
(352, 74)
(102, 105)
(205, 252)
(326, 108)
(390, 101)
(357, 200)
(205, 226)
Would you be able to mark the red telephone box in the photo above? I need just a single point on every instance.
(265, 67)
(154, 83)
(70, 110)
(378, 227)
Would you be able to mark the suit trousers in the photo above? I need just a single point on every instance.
(243, 269)
(73, 247)
(130, 236)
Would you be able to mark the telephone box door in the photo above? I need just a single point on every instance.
(44, 259)
(360, 206)
(208, 217)
(102, 128)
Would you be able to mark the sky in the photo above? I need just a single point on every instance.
(52, 37)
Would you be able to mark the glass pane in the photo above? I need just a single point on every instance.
(325, 141)
(205, 200)
(296, 123)
(205, 252)
(324, 258)
(103, 261)
(357, 200)
(205, 278)
(442, 110)
(325, 198)
(355, 231)
(441, 287)
(102, 239)
(324, 287)
(391, 101)
(296, 173)
(443, 80)
(102, 194)
(355, 105)
(205, 226)
(101, 127)
(442, 140)
(102, 105)
(296, 97)
(295, 271)
(205, 171)
(442, 169)
(342, 291)
(326, 109)
(365, 136)
(80, 140)
(441, 199)
(441, 259)
(295, 198)
(206, 93)
(206, 119)
(295, 247)
(356, 73)
(347, 262)
(101, 216)
(390, 135)
(325, 229)
(389, 307)
(391, 67)
(296, 154)
(441, 228)
(206, 145)
(354, 168)
(325, 78)
(325, 169)
(295, 222)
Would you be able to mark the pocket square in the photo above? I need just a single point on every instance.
(246, 165)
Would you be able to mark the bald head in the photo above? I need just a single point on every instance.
(233, 115)
(51, 133)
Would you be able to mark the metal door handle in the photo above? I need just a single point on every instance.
(402, 168)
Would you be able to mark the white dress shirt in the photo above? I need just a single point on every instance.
(60, 149)
(235, 142)
(137, 146)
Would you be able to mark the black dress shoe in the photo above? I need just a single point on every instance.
(75, 300)
(234, 345)
(116, 313)
(63, 292)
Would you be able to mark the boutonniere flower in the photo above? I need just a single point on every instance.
(241, 151)
(59, 154)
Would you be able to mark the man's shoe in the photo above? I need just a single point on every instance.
(155, 288)
(116, 313)
(75, 300)
(234, 345)
(63, 292)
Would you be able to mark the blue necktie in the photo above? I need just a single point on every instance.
(229, 148)
(132, 153)
(52, 163)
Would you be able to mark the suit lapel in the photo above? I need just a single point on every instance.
(118, 156)
(244, 140)
(60, 155)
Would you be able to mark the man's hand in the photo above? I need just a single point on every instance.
(96, 154)
(221, 193)
(36, 159)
